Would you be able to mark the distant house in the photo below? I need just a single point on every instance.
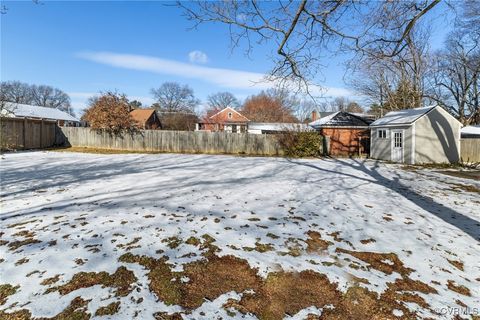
(227, 119)
(348, 133)
(421, 135)
(470, 132)
(274, 128)
(17, 110)
(146, 119)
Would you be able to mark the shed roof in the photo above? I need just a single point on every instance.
(28, 111)
(141, 115)
(406, 116)
(341, 119)
(471, 130)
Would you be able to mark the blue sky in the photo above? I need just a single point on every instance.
(87, 47)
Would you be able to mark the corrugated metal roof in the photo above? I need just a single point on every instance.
(24, 110)
(406, 116)
(277, 126)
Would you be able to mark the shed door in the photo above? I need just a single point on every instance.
(397, 145)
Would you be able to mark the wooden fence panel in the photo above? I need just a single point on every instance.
(173, 141)
(19, 133)
(470, 150)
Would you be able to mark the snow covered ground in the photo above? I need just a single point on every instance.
(207, 237)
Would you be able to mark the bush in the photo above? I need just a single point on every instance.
(110, 112)
(297, 144)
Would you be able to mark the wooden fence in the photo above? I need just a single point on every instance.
(22, 133)
(174, 141)
(470, 150)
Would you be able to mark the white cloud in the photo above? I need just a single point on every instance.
(226, 78)
(197, 56)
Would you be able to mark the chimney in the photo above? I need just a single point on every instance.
(314, 115)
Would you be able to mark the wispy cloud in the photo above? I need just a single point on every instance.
(197, 56)
(226, 78)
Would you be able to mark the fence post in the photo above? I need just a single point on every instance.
(24, 130)
(41, 133)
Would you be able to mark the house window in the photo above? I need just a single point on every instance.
(382, 134)
(229, 115)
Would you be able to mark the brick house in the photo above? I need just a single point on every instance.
(349, 133)
(146, 119)
(227, 119)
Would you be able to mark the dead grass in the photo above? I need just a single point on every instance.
(121, 280)
(5, 291)
(20, 243)
(51, 280)
(456, 264)
(458, 288)
(315, 243)
(109, 309)
(384, 262)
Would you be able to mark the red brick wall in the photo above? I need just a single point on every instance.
(346, 142)
(222, 117)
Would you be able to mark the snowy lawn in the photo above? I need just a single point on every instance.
(197, 236)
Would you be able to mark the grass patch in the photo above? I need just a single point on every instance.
(121, 280)
(5, 291)
(109, 309)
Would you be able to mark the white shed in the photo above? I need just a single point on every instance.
(421, 135)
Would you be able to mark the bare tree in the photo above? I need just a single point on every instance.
(15, 91)
(47, 96)
(457, 78)
(305, 31)
(173, 97)
(383, 80)
(221, 100)
(37, 95)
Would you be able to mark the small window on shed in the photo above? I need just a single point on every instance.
(382, 134)
(229, 115)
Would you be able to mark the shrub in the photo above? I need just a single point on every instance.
(110, 112)
(298, 144)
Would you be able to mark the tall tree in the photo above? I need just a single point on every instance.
(221, 100)
(173, 97)
(38, 95)
(265, 108)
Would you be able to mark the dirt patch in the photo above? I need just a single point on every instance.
(121, 280)
(109, 309)
(315, 243)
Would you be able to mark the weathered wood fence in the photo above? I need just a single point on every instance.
(470, 150)
(174, 141)
(26, 133)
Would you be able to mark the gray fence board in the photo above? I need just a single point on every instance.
(19, 133)
(174, 141)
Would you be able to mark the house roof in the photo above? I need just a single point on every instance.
(341, 119)
(28, 111)
(406, 116)
(277, 126)
(238, 117)
(141, 115)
